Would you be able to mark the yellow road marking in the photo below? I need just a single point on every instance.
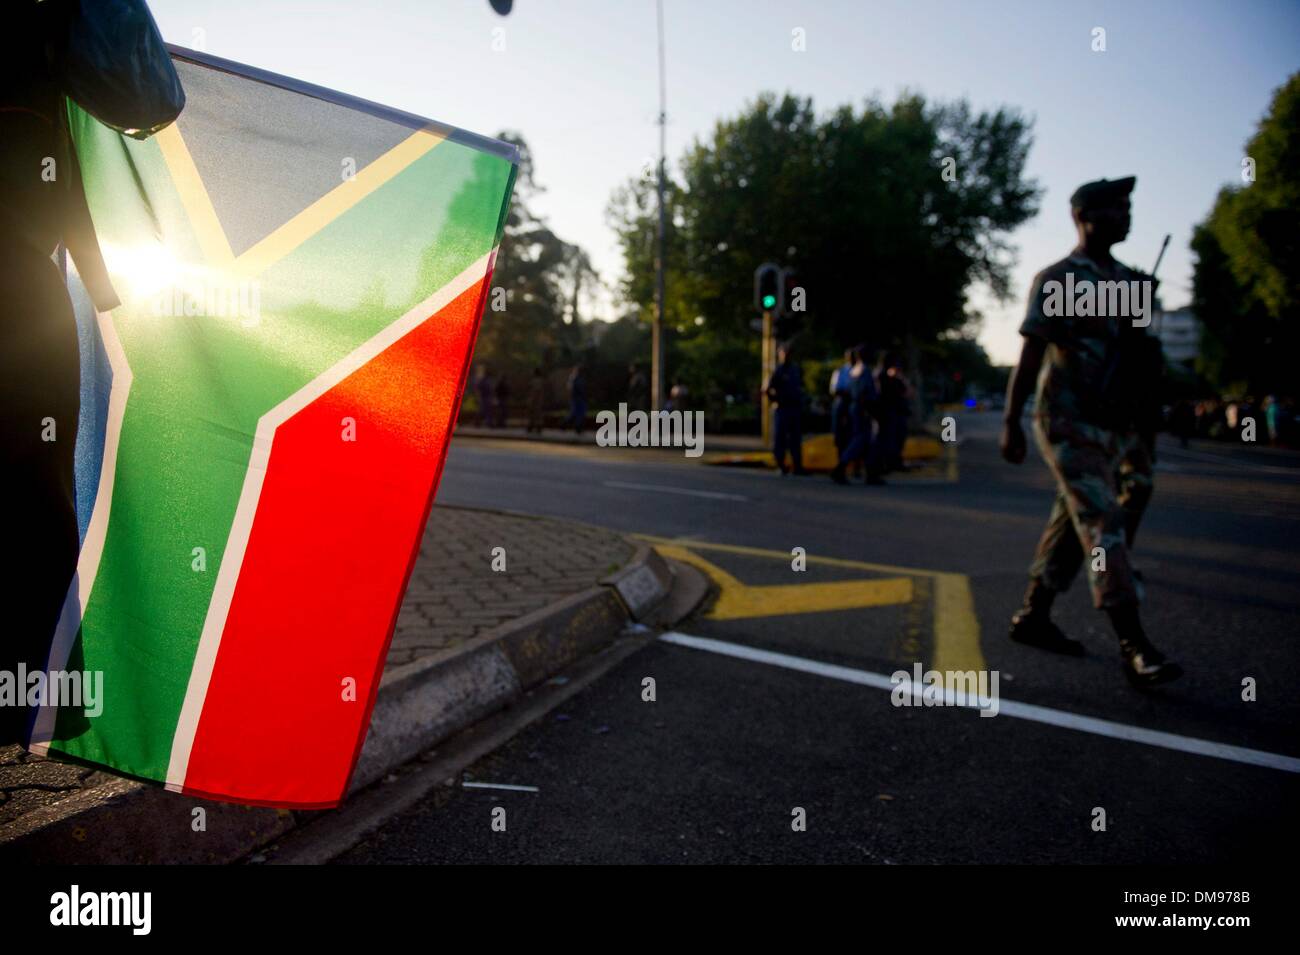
(741, 601)
(784, 555)
(724, 580)
(956, 628)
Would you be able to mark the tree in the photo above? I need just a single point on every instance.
(885, 244)
(1246, 278)
(542, 279)
(956, 365)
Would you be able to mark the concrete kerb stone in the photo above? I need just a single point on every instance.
(423, 703)
(643, 583)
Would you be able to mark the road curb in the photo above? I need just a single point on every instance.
(423, 703)
(419, 705)
(643, 583)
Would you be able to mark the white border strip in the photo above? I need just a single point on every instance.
(232, 559)
(92, 549)
(1024, 711)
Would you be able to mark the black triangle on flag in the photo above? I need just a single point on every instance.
(252, 139)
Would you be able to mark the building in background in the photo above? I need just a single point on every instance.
(1180, 335)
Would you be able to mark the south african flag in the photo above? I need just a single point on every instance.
(265, 417)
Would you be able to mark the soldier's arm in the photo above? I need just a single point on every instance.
(1024, 376)
(1038, 329)
(1012, 444)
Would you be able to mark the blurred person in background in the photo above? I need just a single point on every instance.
(785, 390)
(536, 400)
(501, 406)
(577, 386)
(485, 390)
(841, 425)
(638, 389)
(677, 396)
(1182, 421)
(863, 402)
(894, 411)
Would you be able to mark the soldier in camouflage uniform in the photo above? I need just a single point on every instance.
(1092, 427)
(1059, 556)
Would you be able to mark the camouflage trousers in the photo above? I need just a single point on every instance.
(1103, 484)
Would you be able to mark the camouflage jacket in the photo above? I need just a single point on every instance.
(1086, 316)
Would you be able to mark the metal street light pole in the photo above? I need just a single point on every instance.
(657, 333)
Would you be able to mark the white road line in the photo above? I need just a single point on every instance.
(1024, 711)
(667, 489)
(517, 789)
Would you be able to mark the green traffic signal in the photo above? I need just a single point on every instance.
(767, 287)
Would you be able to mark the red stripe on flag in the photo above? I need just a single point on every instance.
(335, 534)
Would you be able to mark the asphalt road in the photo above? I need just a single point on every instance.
(734, 743)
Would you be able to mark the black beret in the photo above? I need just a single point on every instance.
(1102, 192)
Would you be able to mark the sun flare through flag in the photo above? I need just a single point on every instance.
(265, 418)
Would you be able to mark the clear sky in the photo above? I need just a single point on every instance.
(1172, 99)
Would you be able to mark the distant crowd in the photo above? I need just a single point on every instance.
(1270, 420)
(870, 405)
(492, 394)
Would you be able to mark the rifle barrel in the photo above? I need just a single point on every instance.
(1163, 245)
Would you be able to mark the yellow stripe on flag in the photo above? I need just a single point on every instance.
(265, 253)
(194, 197)
(336, 202)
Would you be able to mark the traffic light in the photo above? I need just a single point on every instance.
(791, 293)
(767, 287)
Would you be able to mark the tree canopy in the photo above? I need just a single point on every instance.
(888, 214)
(542, 277)
(1246, 280)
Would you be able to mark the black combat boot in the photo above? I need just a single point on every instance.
(1032, 624)
(1144, 665)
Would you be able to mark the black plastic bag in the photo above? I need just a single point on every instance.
(110, 59)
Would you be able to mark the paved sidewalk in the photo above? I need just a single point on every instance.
(28, 781)
(454, 595)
